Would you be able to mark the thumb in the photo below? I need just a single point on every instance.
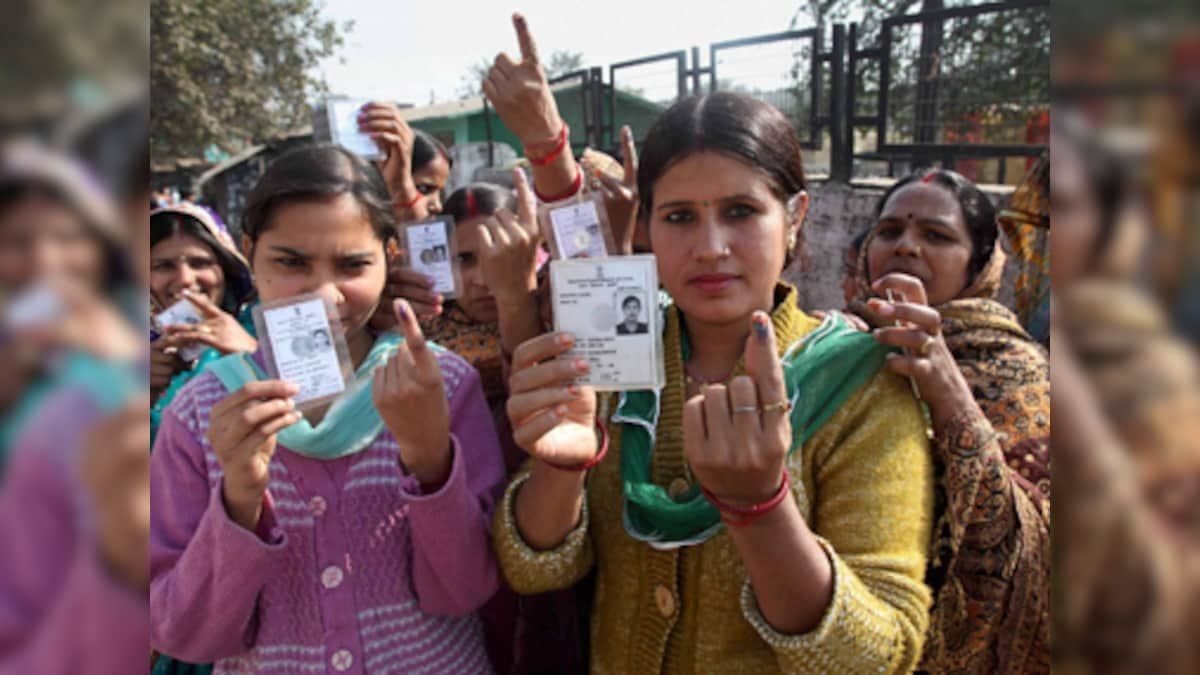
(762, 360)
(526, 205)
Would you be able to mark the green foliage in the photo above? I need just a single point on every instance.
(228, 72)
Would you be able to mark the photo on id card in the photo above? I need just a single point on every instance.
(577, 227)
(610, 306)
(182, 313)
(304, 343)
(432, 252)
(342, 113)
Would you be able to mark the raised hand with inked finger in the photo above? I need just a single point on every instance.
(242, 432)
(218, 329)
(410, 395)
(509, 255)
(521, 95)
(519, 91)
(736, 437)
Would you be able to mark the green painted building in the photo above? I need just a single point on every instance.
(460, 122)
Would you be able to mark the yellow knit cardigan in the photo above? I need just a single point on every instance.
(864, 485)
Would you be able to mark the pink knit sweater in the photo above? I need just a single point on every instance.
(360, 572)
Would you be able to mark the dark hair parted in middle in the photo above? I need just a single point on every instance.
(319, 173)
(979, 213)
(478, 199)
(738, 125)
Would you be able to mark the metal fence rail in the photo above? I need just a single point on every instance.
(954, 87)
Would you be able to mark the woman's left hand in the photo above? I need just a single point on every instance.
(926, 359)
(218, 329)
(736, 437)
(410, 395)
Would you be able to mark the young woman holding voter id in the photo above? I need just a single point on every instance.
(352, 537)
(769, 509)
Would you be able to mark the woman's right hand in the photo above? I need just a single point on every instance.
(511, 241)
(553, 418)
(242, 434)
(926, 358)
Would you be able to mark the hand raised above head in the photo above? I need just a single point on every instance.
(520, 93)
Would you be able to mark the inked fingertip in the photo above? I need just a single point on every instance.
(761, 324)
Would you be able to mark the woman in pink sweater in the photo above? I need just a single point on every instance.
(363, 546)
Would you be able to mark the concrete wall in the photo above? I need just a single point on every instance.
(836, 213)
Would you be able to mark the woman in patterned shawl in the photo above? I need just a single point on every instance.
(935, 252)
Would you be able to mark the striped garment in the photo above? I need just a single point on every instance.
(353, 569)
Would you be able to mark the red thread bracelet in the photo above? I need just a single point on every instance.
(741, 516)
(558, 148)
(591, 462)
(570, 192)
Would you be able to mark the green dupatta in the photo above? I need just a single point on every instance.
(821, 369)
(352, 422)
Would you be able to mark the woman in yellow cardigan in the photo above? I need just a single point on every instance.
(769, 510)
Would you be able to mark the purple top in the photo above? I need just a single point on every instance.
(60, 611)
(360, 572)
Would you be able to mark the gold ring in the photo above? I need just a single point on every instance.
(746, 409)
(205, 329)
(926, 345)
(784, 405)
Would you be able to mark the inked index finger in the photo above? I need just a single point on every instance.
(528, 47)
(406, 319)
(762, 360)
